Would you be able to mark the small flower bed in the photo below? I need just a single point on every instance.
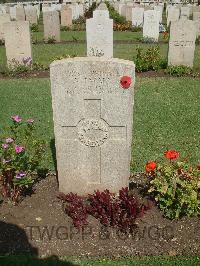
(175, 185)
(122, 26)
(20, 156)
(119, 212)
(149, 59)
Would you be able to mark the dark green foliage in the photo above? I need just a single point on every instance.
(149, 59)
(178, 71)
(34, 28)
(89, 11)
(117, 18)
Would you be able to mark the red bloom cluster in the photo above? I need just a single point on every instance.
(150, 166)
(125, 82)
(198, 167)
(171, 154)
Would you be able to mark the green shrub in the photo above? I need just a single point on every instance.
(89, 12)
(51, 40)
(149, 59)
(117, 18)
(136, 29)
(20, 156)
(147, 40)
(198, 40)
(178, 71)
(64, 28)
(34, 27)
(174, 185)
(80, 20)
(2, 42)
(78, 27)
(19, 69)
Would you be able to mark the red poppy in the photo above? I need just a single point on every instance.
(125, 82)
(171, 154)
(198, 167)
(150, 166)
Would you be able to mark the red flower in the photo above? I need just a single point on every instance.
(125, 82)
(171, 154)
(150, 166)
(198, 167)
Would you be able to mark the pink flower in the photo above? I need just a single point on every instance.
(9, 140)
(30, 121)
(4, 146)
(16, 118)
(18, 149)
(20, 174)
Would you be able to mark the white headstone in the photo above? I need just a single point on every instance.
(20, 14)
(51, 22)
(17, 42)
(173, 15)
(151, 25)
(92, 123)
(185, 11)
(99, 30)
(31, 14)
(12, 11)
(182, 43)
(159, 8)
(137, 16)
(3, 19)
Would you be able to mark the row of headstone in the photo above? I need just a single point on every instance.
(20, 12)
(133, 12)
(28, 13)
(99, 30)
(93, 140)
(181, 44)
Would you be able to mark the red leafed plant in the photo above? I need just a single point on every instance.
(75, 208)
(120, 211)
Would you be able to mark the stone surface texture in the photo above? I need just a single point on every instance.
(17, 42)
(99, 31)
(51, 22)
(93, 121)
(182, 43)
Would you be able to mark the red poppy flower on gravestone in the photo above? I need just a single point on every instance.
(125, 82)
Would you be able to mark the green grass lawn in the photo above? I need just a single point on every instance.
(47, 53)
(166, 115)
(81, 35)
(103, 261)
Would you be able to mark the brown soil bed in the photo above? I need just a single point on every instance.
(46, 74)
(22, 229)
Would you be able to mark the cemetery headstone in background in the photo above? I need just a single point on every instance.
(151, 25)
(66, 17)
(173, 15)
(20, 14)
(51, 22)
(3, 19)
(17, 42)
(137, 16)
(182, 43)
(31, 15)
(99, 30)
